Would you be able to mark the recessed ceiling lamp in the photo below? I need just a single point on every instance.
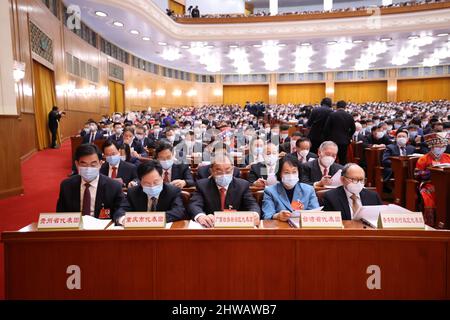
(118, 24)
(282, 44)
(146, 38)
(134, 32)
(442, 34)
(101, 14)
(162, 43)
(305, 44)
(385, 39)
(358, 41)
(210, 46)
(413, 37)
(330, 43)
(233, 46)
(184, 47)
(256, 46)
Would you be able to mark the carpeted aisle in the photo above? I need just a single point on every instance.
(41, 175)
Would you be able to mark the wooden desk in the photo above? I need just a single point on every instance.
(373, 158)
(441, 181)
(273, 262)
(403, 168)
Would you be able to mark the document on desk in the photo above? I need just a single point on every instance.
(369, 214)
(296, 214)
(91, 223)
(335, 180)
(194, 225)
(113, 227)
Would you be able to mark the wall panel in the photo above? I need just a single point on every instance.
(241, 94)
(300, 93)
(361, 91)
(423, 89)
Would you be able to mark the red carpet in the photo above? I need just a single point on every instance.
(41, 175)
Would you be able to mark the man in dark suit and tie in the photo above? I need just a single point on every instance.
(53, 121)
(116, 134)
(316, 122)
(349, 197)
(400, 148)
(319, 172)
(90, 192)
(340, 128)
(264, 173)
(303, 150)
(180, 174)
(93, 134)
(115, 168)
(221, 192)
(204, 172)
(155, 195)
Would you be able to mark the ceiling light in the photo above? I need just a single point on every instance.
(256, 46)
(176, 92)
(184, 47)
(171, 54)
(146, 38)
(385, 39)
(134, 32)
(162, 43)
(330, 43)
(413, 37)
(209, 46)
(282, 44)
(100, 14)
(358, 41)
(303, 56)
(233, 46)
(118, 24)
(442, 34)
(305, 44)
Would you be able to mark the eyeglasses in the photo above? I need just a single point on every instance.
(364, 180)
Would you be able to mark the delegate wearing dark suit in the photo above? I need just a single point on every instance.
(393, 150)
(109, 196)
(206, 199)
(259, 171)
(182, 172)
(53, 119)
(90, 138)
(127, 171)
(311, 172)
(316, 122)
(118, 139)
(336, 200)
(203, 172)
(169, 200)
(339, 128)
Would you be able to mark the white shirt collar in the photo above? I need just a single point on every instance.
(93, 183)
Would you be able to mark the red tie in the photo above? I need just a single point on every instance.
(166, 176)
(114, 173)
(325, 171)
(86, 211)
(223, 193)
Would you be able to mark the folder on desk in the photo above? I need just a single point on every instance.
(369, 214)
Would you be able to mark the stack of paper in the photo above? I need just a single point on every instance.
(91, 223)
(369, 214)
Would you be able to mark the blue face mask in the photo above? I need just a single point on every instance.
(223, 180)
(113, 160)
(89, 173)
(153, 192)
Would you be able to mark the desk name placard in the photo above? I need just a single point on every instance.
(236, 219)
(145, 220)
(394, 220)
(60, 221)
(321, 219)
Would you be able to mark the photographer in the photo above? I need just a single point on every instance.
(53, 121)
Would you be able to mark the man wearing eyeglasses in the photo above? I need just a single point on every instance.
(351, 195)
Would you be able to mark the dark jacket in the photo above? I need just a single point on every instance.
(87, 136)
(316, 122)
(169, 201)
(393, 150)
(53, 118)
(206, 199)
(127, 171)
(339, 127)
(310, 155)
(310, 172)
(336, 200)
(109, 196)
(258, 171)
(182, 172)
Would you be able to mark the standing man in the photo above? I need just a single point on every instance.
(53, 121)
(340, 128)
(316, 122)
